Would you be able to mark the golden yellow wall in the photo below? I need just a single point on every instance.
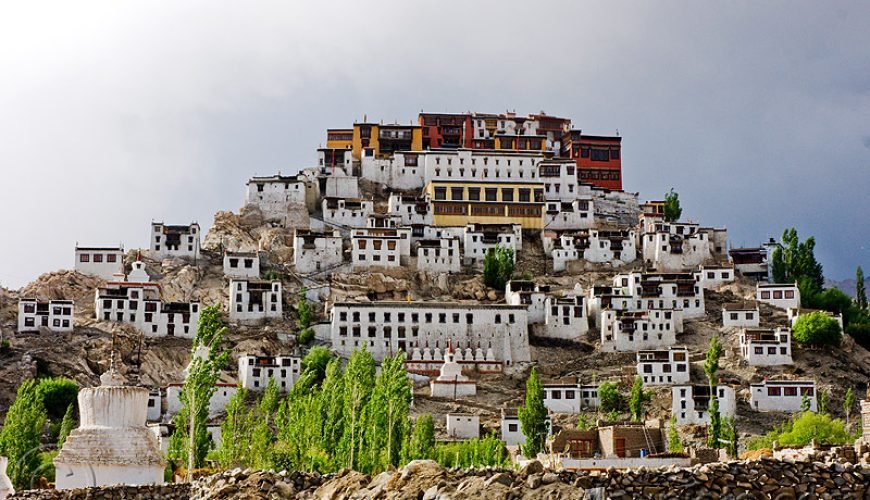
(339, 144)
(527, 221)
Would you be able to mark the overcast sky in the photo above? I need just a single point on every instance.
(113, 114)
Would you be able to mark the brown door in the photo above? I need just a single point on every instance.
(620, 447)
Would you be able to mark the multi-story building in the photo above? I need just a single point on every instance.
(256, 371)
(782, 395)
(252, 301)
(339, 139)
(664, 366)
(155, 405)
(276, 196)
(412, 210)
(53, 315)
(754, 262)
(335, 161)
(599, 158)
(572, 397)
(446, 130)
(388, 327)
(714, 276)
(628, 331)
(741, 315)
(679, 246)
(241, 264)
(560, 179)
(565, 317)
(480, 238)
(781, 295)
(532, 296)
(439, 255)
(615, 247)
(458, 203)
(574, 215)
(766, 347)
(139, 304)
(102, 262)
(380, 247)
(174, 241)
(317, 251)
(346, 212)
(380, 140)
(664, 291)
(690, 404)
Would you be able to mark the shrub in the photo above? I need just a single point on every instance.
(57, 394)
(315, 362)
(4, 346)
(817, 328)
(802, 429)
(498, 267)
(481, 452)
(611, 400)
(305, 336)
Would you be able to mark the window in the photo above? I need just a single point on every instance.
(765, 295)
(774, 391)
(557, 394)
(84, 257)
(98, 257)
(789, 391)
(111, 258)
(600, 155)
(789, 294)
(507, 194)
(512, 427)
(456, 193)
(759, 350)
(777, 294)
(491, 194)
(440, 193)
(474, 194)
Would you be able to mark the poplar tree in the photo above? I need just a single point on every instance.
(19, 438)
(422, 443)
(331, 410)
(389, 407)
(66, 425)
(849, 404)
(359, 381)
(674, 443)
(637, 399)
(236, 432)
(533, 416)
(860, 291)
(672, 208)
(729, 434)
(262, 435)
(711, 368)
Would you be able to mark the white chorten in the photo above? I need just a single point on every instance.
(112, 445)
(451, 383)
(6, 488)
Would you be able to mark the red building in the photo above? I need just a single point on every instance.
(599, 158)
(446, 130)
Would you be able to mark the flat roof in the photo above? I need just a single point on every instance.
(430, 305)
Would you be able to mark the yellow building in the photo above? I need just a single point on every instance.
(339, 138)
(521, 142)
(381, 141)
(457, 203)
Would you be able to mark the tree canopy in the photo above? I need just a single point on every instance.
(498, 267)
(817, 328)
(672, 209)
(533, 416)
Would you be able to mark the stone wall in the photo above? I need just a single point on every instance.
(161, 492)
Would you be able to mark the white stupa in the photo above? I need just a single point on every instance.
(6, 488)
(112, 445)
(451, 383)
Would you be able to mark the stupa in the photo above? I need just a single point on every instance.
(112, 444)
(5, 484)
(451, 383)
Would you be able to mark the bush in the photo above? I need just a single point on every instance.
(4, 346)
(315, 363)
(611, 400)
(57, 394)
(481, 452)
(305, 336)
(817, 328)
(802, 429)
(498, 267)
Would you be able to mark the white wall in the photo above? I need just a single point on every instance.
(314, 252)
(241, 265)
(54, 315)
(683, 405)
(623, 331)
(571, 398)
(772, 349)
(665, 367)
(275, 196)
(463, 426)
(244, 293)
(439, 256)
(748, 318)
(174, 241)
(781, 296)
(103, 263)
(761, 399)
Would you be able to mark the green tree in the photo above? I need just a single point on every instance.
(729, 435)
(19, 438)
(609, 397)
(672, 208)
(803, 428)
(57, 394)
(359, 382)
(190, 442)
(817, 328)
(66, 425)
(637, 399)
(304, 310)
(805, 403)
(583, 422)
(849, 404)
(795, 262)
(236, 432)
(711, 369)
(389, 408)
(422, 443)
(488, 451)
(498, 267)
(262, 435)
(715, 435)
(860, 290)
(823, 401)
(315, 363)
(674, 443)
(533, 416)
(331, 409)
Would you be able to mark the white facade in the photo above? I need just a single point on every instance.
(565, 317)
(53, 315)
(139, 304)
(346, 212)
(479, 238)
(577, 214)
(512, 431)
(527, 293)
(783, 296)
(155, 405)
(439, 256)
(470, 165)
(317, 251)
(782, 395)
(664, 367)
(662, 291)
(102, 262)
(404, 170)
(743, 315)
(241, 264)
(690, 403)
(713, 277)
(379, 247)
(766, 347)
(256, 371)
(342, 186)
(174, 241)
(253, 301)
(413, 211)
(571, 398)
(629, 331)
(6, 488)
(675, 246)
(560, 179)
(463, 426)
(387, 327)
(601, 247)
(275, 196)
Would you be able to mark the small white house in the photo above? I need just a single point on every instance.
(781, 295)
(174, 241)
(412, 210)
(741, 315)
(155, 403)
(439, 255)
(571, 215)
(714, 276)
(275, 196)
(512, 432)
(252, 301)
(102, 262)
(139, 305)
(479, 238)
(630, 331)
(241, 264)
(317, 251)
(766, 347)
(782, 395)
(664, 367)
(256, 371)
(379, 247)
(690, 403)
(565, 317)
(53, 315)
(527, 293)
(347, 212)
(571, 397)
(463, 426)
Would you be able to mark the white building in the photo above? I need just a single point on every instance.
(379, 247)
(412, 210)
(571, 397)
(174, 241)
(404, 170)
(754, 262)
(252, 301)
(565, 317)
(663, 291)
(241, 264)
(342, 186)
(317, 251)
(6, 488)
(597, 246)
(677, 246)
(629, 331)
(256, 371)
(439, 255)
(463, 426)
(783, 296)
(560, 179)
(346, 213)
(664, 367)
(574, 215)
(102, 262)
(766, 347)
(714, 276)
(388, 327)
(53, 315)
(479, 238)
(139, 304)
(741, 315)
(451, 383)
(782, 395)
(155, 405)
(276, 196)
(690, 403)
(527, 293)
(512, 431)
(216, 405)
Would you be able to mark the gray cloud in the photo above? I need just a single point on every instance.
(114, 115)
